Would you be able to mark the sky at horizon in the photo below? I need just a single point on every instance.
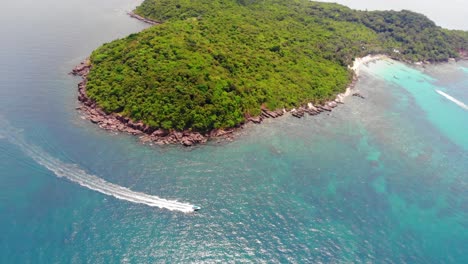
(452, 14)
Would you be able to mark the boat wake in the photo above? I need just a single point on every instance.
(457, 102)
(77, 175)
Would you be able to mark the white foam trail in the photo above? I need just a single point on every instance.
(459, 103)
(73, 173)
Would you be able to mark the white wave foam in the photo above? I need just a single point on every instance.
(459, 103)
(73, 173)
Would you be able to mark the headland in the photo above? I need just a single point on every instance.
(192, 78)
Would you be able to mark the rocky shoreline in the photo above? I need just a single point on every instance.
(118, 123)
(143, 19)
(309, 108)
(463, 54)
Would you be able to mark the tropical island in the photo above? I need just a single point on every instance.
(209, 66)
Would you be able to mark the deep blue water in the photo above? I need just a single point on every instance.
(381, 180)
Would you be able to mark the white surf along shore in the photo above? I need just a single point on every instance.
(358, 63)
(340, 98)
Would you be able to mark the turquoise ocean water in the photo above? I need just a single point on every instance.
(381, 180)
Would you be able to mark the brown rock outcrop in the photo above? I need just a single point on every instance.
(143, 19)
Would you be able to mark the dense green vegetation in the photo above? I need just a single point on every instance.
(214, 62)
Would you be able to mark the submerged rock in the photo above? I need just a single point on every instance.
(256, 120)
(359, 95)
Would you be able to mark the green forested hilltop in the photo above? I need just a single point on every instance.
(214, 62)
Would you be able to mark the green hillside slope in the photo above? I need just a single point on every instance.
(212, 63)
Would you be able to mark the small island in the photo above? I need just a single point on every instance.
(206, 68)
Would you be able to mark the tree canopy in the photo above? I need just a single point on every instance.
(214, 62)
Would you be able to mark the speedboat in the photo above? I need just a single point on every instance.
(196, 207)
